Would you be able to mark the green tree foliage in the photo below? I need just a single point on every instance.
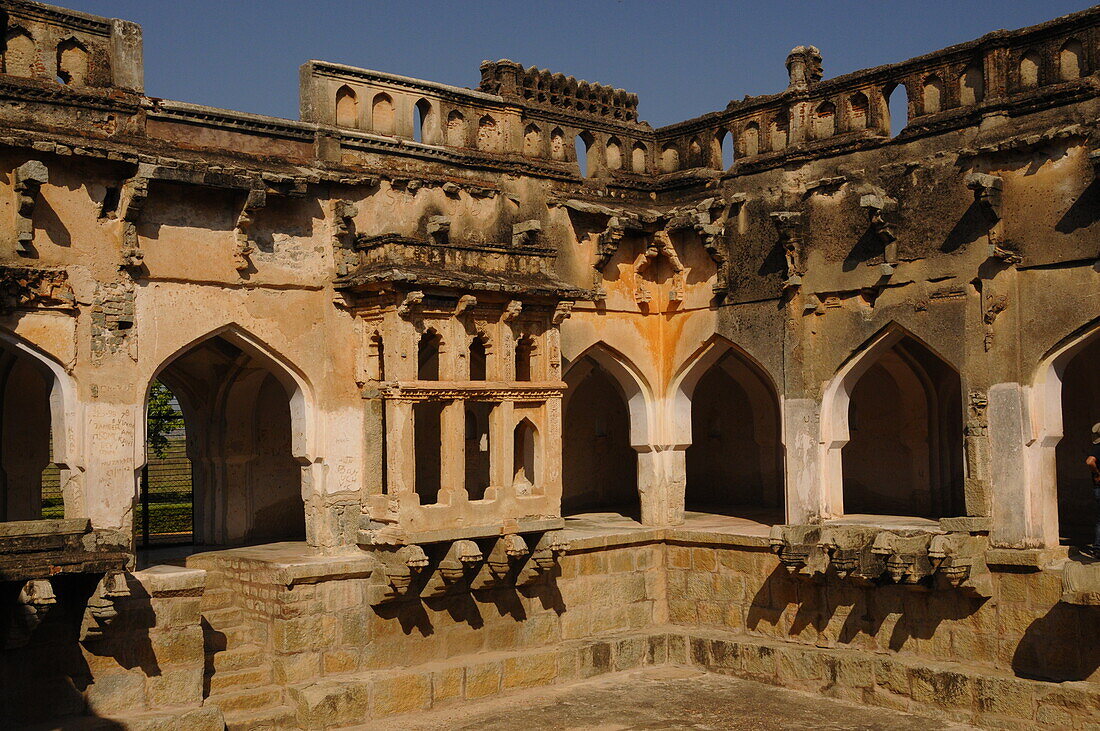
(163, 418)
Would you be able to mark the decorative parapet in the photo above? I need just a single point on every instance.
(538, 87)
(414, 391)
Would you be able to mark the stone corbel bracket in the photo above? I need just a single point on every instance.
(454, 572)
(988, 191)
(850, 554)
(607, 243)
(799, 550)
(907, 560)
(544, 559)
(502, 564)
(412, 299)
(512, 310)
(34, 601)
(882, 215)
(562, 312)
(789, 226)
(101, 610)
(396, 574)
(438, 229)
(134, 194)
(343, 232)
(28, 180)
(958, 560)
(255, 199)
(465, 304)
(526, 233)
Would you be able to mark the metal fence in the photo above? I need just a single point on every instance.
(165, 511)
(53, 506)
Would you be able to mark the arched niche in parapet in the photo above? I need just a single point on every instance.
(858, 111)
(725, 406)
(479, 358)
(38, 432)
(456, 129)
(896, 103)
(488, 134)
(532, 141)
(426, 123)
(613, 154)
(723, 153)
(779, 128)
(72, 62)
(557, 145)
(824, 120)
(750, 139)
(638, 155)
(248, 422)
(1029, 72)
(932, 100)
(20, 53)
(670, 158)
(1064, 403)
(971, 85)
(347, 107)
(585, 154)
(606, 417)
(694, 153)
(891, 430)
(1071, 60)
(383, 115)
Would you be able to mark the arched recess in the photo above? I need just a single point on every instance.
(1064, 403)
(383, 117)
(525, 457)
(606, 419)
(425, 125)
(891, 431)
(638, 158)
(248, 416)
(38, 430)
(725, 406)
(347, 107)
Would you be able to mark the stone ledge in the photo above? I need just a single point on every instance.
(171, 580)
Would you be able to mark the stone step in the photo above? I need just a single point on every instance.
(240, 657)
(227, 681)
(279, 717)
(250, 699)
(225, 617)
(230, 638)
(213, 599)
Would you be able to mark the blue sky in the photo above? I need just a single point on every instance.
(681, 58)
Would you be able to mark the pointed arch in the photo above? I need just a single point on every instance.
(526, 460)
(670, 158)
(1071, 60)
(425, 127)
(557, 144)
(824, 121)
(383, 117)
(635, 390)
(488, 134)
(72, 62)
(532, 141)
(347, 107)
(858, 106)
(932, 95)
(905, 357)
(613, 153)
(972, 85)
(1029, 71)
(456, 129)
(638, 154)
(1046, 411)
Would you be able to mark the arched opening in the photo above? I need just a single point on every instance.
(427, 356)
(614, 154)
(1029, 69)
(525, 348)
(477, 452)
(932, 96)
(20, 54)
(695, 153)
(638, 158)
(347, 107)
(971, 85)
(599, 465)
(750, 139)
(723, 149)
(897, 105)
(478, 359)
(557, 145)
(1077, 508)
(488, 134)
(382, 115)
(72, 62)
(582, 144)
(241, 419)
(1071, 60)
(779, 131)
(423, 119)
(456, 129)
(525, 457)
(903, 454)
(165, 509)
(670, 159)
(532, 141)
(857, 111)
(735, 461)
(824, 121)
(32, 469)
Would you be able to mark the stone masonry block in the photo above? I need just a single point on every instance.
(401, 693)
(483, 679)
(332, 702)
(630, 652)
(175, 687)
(447, 685)
(531, 669)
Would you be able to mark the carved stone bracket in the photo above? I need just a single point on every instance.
(412, 299)
(34, 601)
(562, 312)
(881, 214)
(661, 246)
(465, 304)
(512, 310)
(101, 610)
(135, 192)
(607, 243)
(789, 226)
(29, 179)
(245, 246)
(395, 576)
(526, 233)
(23, 287)
(343, 233)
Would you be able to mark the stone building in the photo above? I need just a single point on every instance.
(465, 416)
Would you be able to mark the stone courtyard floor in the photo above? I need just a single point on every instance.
(661, 698)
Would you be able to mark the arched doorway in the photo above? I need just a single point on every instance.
(1080, 410)
(904, 451)
(599, 465)
(32, 473)
(238, 409)
(735, 461)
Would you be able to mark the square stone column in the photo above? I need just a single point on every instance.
(662, 480)
(453, 451)
(400, 448)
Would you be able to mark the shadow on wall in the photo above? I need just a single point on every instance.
(1061, 645)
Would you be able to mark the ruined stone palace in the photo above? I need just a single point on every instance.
(497, 388)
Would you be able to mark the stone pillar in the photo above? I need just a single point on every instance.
(501, 470)
(400, 448)
(806, 498)
(453, 452)
(662, 480)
